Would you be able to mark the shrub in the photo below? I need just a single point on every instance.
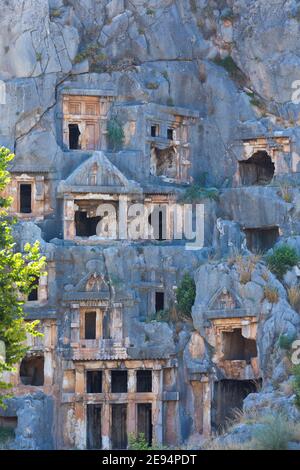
(137, 443)
(150, 11)
(115, 134)
(94, 54)
(285, 341)
(296, 384)
(282, 259)
(185, 295)
(294, 297)
(170, 101)
(274, 434)
(271, 294)
(232, 68)
(161, 316)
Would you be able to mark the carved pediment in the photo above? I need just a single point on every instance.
(96, 283)
(224, 299)
(97, 173)
(92, 287)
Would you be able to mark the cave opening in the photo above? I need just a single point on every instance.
(86, 226)
(260, 240)
(228, 397)
(257, 170)
(32, 370)
(238, 348)
(164, 162)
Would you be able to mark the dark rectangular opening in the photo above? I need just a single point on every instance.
(119, 426)
(74, 134)
(260, 240)
(8, 426)
(90, 325)
(228, 397)
(236, 347)
(85, 226)
(158, 221)
(25, 198)
(94, 381)
(154, 130)
(144, 421)
(159, 301)
(32, 371)
(34, 294)
(144, 381)
(170, 134)
(94, 433)
(119, 381)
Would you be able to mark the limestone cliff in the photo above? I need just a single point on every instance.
(174, 93)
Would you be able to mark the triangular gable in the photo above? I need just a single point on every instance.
(93, 286)
(224, 299)
(95, 174)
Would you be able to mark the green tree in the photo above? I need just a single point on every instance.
(185, 295)
(18, 271)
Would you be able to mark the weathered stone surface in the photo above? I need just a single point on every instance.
(154, 64)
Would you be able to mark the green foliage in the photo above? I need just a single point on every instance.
(234, 71)
(93, 53)
(256, 101)
(196, 193)
(160, 316)
(115, 134)
(170, 101)
(140, 443)
(150, 11)
(282, 259)
(296, 384)
(38, 56)
(274, 433)
(18, 272)
(185, 295)
(285, 341)
(137, 443)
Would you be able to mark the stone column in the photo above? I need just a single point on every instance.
(131, 418)
(105, 425)
(207, 407)
(48, 365)
(157, 409)
(69, 219)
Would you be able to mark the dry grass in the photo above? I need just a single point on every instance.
(286, 193)
(265, 275)
(271, 294)
(294, 297)
(246, 266)
(275, 433)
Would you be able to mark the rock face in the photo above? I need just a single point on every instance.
(112, 104)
